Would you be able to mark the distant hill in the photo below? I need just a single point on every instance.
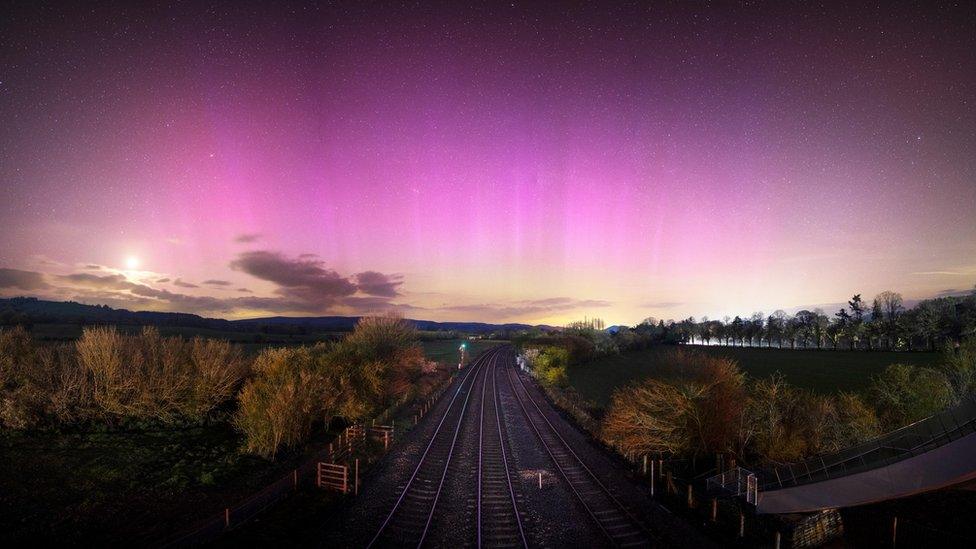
(19, 310)
(344, 323)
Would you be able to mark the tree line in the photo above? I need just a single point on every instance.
(884, 324)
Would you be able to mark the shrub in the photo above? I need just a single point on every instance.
(20, 404)
(697, 411)
(856, 423)
(279, 405)
(378, 364)
(151, 377)
(549, 366)
(789, 424)
(903, 394)
(219, 369)
(959, 368)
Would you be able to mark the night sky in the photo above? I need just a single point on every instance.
(507, 162)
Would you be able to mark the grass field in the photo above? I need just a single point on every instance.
(445, 351)
(821, 371)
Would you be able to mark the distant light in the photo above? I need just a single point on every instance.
(132, 262)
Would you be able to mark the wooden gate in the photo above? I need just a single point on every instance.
(333, 476)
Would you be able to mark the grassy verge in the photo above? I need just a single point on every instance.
(445, 351)
(820, 371)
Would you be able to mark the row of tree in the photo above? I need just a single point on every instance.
(884, 324)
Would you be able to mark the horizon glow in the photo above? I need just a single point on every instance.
(496, 164)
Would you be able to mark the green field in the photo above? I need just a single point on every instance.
(821, 371)
(446, 350)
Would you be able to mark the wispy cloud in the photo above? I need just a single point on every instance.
(247, 238)
(179, 282)
(662, 304)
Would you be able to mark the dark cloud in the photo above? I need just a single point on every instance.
(303, 285)
(93, 267)
(307, 280)
(179, 282)
(378, 284)
(22, 280)
(103, 282)
(247, 238)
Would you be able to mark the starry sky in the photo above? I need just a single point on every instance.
(505, 162)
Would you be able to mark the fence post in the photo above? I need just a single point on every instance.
(356, 486)
(742, 525)
(776, 543)
(540, 480)
(652, 478)
(894, 532)
(714, 509)
(690, 503)
(227, 517)
(644, 469)
(295, 476)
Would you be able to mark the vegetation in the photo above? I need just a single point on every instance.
(106, 376)
(904, 394)
(549, 364)
(704, 406)
(698, 404)
(821, 372)
(886, 325)
(696, 411)
(120, 435)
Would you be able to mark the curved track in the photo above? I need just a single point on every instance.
(619, 526)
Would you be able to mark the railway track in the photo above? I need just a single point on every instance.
(499, 522)
(619, 526)
(409, 521)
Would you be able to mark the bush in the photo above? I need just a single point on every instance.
(695, 412)
(549, 366)
(279, 405)
(380, 363)
(789, 424)
(218, 369)
(20, 403)
(960, 369)
(904, 394)
(151, 377)
(856, 423)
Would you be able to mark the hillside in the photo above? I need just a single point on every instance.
(29, 310)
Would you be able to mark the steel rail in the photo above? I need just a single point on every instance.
(578, 461)
(496, 404)
(482, 360)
